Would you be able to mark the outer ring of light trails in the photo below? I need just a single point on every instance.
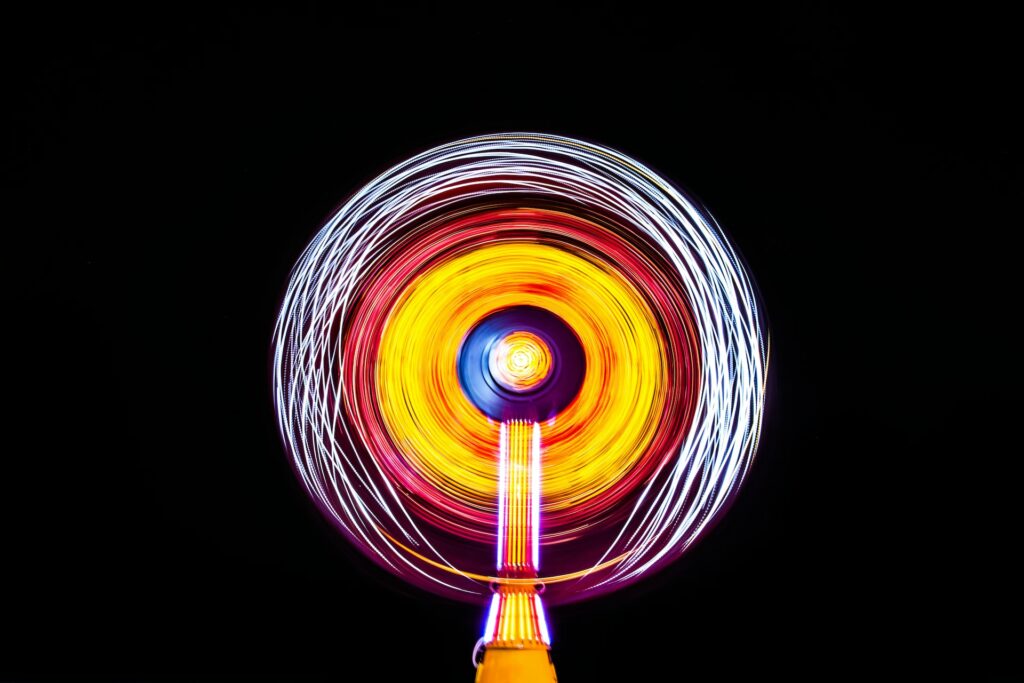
(432, 521)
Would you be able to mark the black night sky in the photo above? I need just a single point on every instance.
(163, 170)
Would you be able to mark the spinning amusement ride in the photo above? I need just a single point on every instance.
(520, 370)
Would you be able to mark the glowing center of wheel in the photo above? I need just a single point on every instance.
(520, 361)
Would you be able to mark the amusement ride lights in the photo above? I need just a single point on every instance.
(523, 342)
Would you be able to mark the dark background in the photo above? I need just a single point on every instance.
(163, 170)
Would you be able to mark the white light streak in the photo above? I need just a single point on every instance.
(310, 397)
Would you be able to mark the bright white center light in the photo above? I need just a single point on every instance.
(520, 361)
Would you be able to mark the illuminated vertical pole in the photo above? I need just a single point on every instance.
(516, 617)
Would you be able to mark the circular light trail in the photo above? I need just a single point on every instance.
(520, 276)
(520, 361)
(483, 370)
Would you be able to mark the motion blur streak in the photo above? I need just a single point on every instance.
(380, 421)
(519, 499)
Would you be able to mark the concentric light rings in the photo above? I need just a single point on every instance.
(422, 519)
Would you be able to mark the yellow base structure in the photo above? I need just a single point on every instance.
(516, 665)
